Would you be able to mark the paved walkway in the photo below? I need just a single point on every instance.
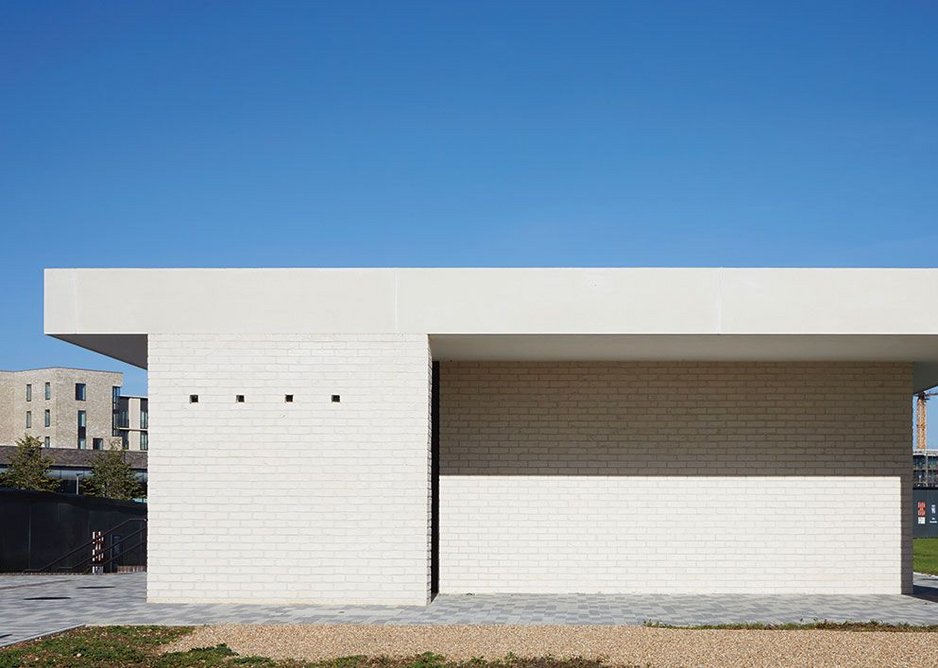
(32, 605)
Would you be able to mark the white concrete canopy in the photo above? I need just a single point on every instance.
(523, 314)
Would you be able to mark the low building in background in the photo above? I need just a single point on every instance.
(78, 409)
(925, 468)
(72, 466)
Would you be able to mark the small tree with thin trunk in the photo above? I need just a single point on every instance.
(29, 468)
(112, 477)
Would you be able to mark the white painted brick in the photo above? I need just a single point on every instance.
(310, 501)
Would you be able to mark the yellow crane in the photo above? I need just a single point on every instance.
(921, 418)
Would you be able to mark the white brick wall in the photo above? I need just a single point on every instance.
(309, 501)
(684, 478)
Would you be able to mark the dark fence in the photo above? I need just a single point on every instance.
(925, 513)
(42, 530)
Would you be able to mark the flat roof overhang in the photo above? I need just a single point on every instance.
(523, 314)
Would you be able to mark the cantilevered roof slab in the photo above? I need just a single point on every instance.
(590, 314)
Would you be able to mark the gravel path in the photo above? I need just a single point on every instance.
(622, 645)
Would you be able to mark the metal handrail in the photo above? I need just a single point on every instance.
(90, 543)
(141, 543)
(84, 562)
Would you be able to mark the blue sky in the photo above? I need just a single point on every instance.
(459, 133)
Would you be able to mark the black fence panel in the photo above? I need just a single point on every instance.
(925, 513)
(39, 529)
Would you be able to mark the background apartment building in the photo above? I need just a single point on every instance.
(131, 422)
(71, 408)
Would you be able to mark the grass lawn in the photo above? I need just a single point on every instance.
(925, 555)
(138, 647)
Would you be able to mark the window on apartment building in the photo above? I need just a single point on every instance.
(115, 410)
(29, 392)
(29, 419)
(144, 416)
(47, 418)
(97, 444)
(82, 423)
(115, 407)
(47, 390)
(47, 442)
(79, 391)
(144, 441)
(125, 440)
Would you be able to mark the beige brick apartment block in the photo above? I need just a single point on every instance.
(49, 398)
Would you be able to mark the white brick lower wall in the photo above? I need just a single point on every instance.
(681, 478)
(670, 534)
(309, 501)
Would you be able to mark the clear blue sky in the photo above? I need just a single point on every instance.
(459, 133)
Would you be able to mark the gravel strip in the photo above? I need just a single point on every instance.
(621, 645)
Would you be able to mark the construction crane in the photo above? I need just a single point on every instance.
(921, 418)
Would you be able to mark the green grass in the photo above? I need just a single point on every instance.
(138, 647)
(925, 555)
(93, 646)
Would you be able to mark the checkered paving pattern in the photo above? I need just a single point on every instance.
(33, 605)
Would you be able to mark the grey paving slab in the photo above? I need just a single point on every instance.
(32, 605)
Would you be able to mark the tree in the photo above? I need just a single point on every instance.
(29, 468)
(111, 477)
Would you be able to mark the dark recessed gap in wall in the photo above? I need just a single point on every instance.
(336, 398)
(47, 598)
(435, 479)
(288, 398)
(239, 398)
(193, 398)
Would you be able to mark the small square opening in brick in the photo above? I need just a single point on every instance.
(288, 398)
(193, 398)
(239, 398)
(336, 398)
